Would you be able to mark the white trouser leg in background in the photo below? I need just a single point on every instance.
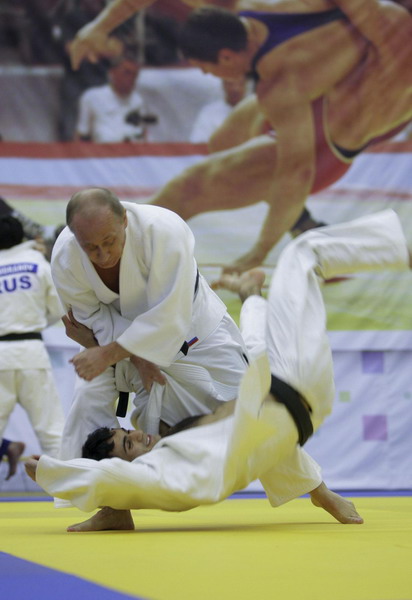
(35, 391)
(8, 397)
(38, 396)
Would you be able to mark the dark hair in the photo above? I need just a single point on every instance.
(128, 55)
(85, 199)
(186, 423)
(98, 444)
(11, 232)
(210, 29)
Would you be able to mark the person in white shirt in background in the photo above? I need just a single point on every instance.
(114, 112)
(212, 115)
(28, 304)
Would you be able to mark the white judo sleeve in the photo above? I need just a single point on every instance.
(206, 464)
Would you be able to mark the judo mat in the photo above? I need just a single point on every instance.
(239, 549)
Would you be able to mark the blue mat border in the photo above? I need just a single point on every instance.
(31, 580)
(351, 493)
(242, 495)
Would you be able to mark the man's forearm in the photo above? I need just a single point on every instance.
(114, 352)
(117, 12)
(93, 361)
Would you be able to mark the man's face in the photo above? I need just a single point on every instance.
(123, 77)
(234, 90)
(130, 444)
(102, 235)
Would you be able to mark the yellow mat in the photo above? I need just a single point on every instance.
(239, 549)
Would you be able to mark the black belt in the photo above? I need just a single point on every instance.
(298, 409)
(197, 281)
(15, 337)
(185, 346)
(122, 404)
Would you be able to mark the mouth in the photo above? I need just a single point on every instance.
(148, 440)
(108, 264)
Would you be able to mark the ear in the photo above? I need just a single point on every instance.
(125, 219)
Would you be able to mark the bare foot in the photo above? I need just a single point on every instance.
(247, 284)
(106, 519)
(13, 453)
(342, 509)
(31, 467)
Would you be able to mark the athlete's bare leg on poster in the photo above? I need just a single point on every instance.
(233, 178)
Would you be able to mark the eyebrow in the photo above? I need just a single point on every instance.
(124, 440)
(107, 237)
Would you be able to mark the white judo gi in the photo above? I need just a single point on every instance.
(206, 464)
(28, 304)
(162, 304)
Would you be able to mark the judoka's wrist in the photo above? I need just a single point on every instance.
(114, 352)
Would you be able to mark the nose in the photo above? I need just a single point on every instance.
(138, 435)
(102, 255)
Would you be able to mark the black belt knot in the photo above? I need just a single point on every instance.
(298, 409)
